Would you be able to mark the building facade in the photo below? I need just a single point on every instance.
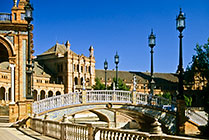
(57, 71)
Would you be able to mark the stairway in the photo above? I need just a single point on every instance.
(4, 114)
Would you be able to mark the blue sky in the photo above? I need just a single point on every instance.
(122, 26)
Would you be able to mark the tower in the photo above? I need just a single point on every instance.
(13, 44)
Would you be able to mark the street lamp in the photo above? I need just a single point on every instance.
(151, 41)
(180, 25)
(29, 18)
(116, 62)
(105, 67)
(180, 118)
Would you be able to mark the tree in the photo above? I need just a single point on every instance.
(98, 85)
(199, 67)
(121, 85)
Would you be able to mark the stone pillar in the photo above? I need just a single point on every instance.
(12, 66)
(45, 124)
(90, 132)
(63, 127)
(83, 96)
(180, 118)
(134, 97)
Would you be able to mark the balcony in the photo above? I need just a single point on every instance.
(5, 17)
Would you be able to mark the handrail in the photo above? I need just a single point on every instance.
(99, 96)
(5, 17)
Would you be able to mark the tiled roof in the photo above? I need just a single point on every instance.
(39, 70)
(57, 49)
(141, 77)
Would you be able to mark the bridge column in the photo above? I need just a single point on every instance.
(83, 96)
(134, 97)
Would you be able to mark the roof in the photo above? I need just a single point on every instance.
(39, 70)
(141, 77)
(57, 49)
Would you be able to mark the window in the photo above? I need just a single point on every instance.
(76, 81)
(15, 16)
(81, 68)
(77, 68)
(22, 16)
(89, 69)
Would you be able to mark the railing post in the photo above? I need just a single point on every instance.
(45, 124)
(156, 127)
(134, 97)
(83, 96)
(63, 127)
(90, 132)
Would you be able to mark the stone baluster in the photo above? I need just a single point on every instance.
(156, 127)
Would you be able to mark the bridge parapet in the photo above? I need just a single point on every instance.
(99, 96)
(66, 130)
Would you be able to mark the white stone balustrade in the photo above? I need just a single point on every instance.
(68, 131)
(99, 96)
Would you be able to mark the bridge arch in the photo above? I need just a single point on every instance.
(135, 105)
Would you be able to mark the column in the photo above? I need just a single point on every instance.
(12, 66)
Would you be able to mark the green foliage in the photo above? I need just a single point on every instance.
(167, 95)
(121, 85)
(199, 64)
(188, 100)
(98, 85)
(200, 67)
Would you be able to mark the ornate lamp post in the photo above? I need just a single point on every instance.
(151, 41)
(106, 67)
(116, 63)
(180, 25)
(29, 18)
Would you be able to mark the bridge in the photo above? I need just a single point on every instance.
(140, 107)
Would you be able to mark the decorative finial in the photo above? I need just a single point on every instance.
(151, 30)
(15, 3)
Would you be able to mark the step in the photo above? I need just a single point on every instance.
(4, 119)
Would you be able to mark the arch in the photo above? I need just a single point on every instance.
(2, 93)
(43, 94)
(8, 45)
(58, 93)
(35, 92)
(50, 93)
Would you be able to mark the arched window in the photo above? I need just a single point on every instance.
(82, 81)
(77, 68)
(2, 93)
(76, 81)
(35, 95)
(42, 94)
(58, 93)
(50, 93)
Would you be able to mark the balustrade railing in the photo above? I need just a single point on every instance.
(100, 96)
(68, 131)
(109, 96)
(5, 17)
(56, 102)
